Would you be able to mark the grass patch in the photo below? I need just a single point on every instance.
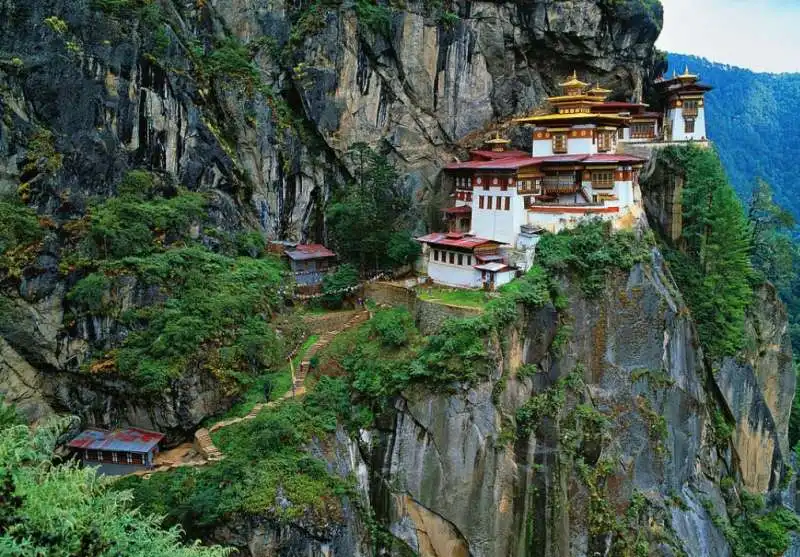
(454, 296)
(266, 470)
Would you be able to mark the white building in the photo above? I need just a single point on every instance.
(504, 199)
(456, 259)
(685, 117)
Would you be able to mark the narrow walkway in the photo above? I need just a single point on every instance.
(202, 438)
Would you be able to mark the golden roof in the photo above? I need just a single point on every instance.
(687, 75)
(573, 81)
(584, 99)
(597, 90)
(576, 117)
(498, 140)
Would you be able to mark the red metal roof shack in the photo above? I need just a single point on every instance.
(130, 440)
(309, 251)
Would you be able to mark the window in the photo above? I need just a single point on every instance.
(508, 203)
(690, 108)
(469, 260)
(560, 143)
(460, 259)
(497, 202)
(114, 457)
(621, 133)
(603, 179)
(689, 125)
(604, 141)
(643, 130)
(436, 255)
(452, 258)
(480, 201)
(527, 201)
(129, 458)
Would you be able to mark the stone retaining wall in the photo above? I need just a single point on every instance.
(428, 315)
(319, 324)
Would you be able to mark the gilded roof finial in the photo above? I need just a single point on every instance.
(686, 71)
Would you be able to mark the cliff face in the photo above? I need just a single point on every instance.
(255, 103)
(119, 89)
(612, 429)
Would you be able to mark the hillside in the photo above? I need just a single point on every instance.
(621, 398)
(752, 118)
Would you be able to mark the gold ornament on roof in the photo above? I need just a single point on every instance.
(573, 82)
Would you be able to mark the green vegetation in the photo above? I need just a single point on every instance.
(372, 213)
(752, 531)
(374, 16)
(337, 284)
(203, 311)
(591, 251)
(59, 509)
(265, 471)
(212, 318)
(130, 226)
(20, 235)
(453, 296)
(711, 259)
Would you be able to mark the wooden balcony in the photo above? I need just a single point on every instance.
(560, 185)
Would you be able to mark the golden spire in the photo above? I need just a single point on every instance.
(573, 82)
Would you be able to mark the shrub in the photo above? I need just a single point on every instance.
(590, 251)
(214, 318)
(374, 16)
(19, 226)
(136, 183)
(392, 327)
(337, 285)
(403, 249)
(89, 293)
(127, 226)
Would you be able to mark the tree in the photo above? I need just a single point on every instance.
(368, 213)
(336, 285)
(63, 510)
(772, 248)
(712, 265)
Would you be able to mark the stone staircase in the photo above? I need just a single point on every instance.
(202, 438)
(205, 446)
(322, 343)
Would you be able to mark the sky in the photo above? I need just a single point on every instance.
(762, 35)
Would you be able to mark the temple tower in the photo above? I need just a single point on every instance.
(685, 114)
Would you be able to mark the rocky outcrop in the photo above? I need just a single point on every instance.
(635, 350)
(87, 94)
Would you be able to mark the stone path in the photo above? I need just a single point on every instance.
(202, 437)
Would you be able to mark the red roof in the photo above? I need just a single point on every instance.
(578, 209)
(309, 251)
(509, 163)
(494, 155)
(619, 104)
(455, 240)
(130, 440)
(521, 162)
(606, 158)
(463, 209)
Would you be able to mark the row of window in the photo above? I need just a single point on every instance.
(452, 257)
(465, 183)
(115, 458)
(485, 202)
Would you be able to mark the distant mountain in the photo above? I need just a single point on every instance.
(754, 118)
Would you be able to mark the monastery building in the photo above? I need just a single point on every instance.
(577, 169)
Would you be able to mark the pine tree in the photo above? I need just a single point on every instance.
(713, 265)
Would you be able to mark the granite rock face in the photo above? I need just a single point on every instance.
(86, 95)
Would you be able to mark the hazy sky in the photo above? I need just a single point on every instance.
(763, 35)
